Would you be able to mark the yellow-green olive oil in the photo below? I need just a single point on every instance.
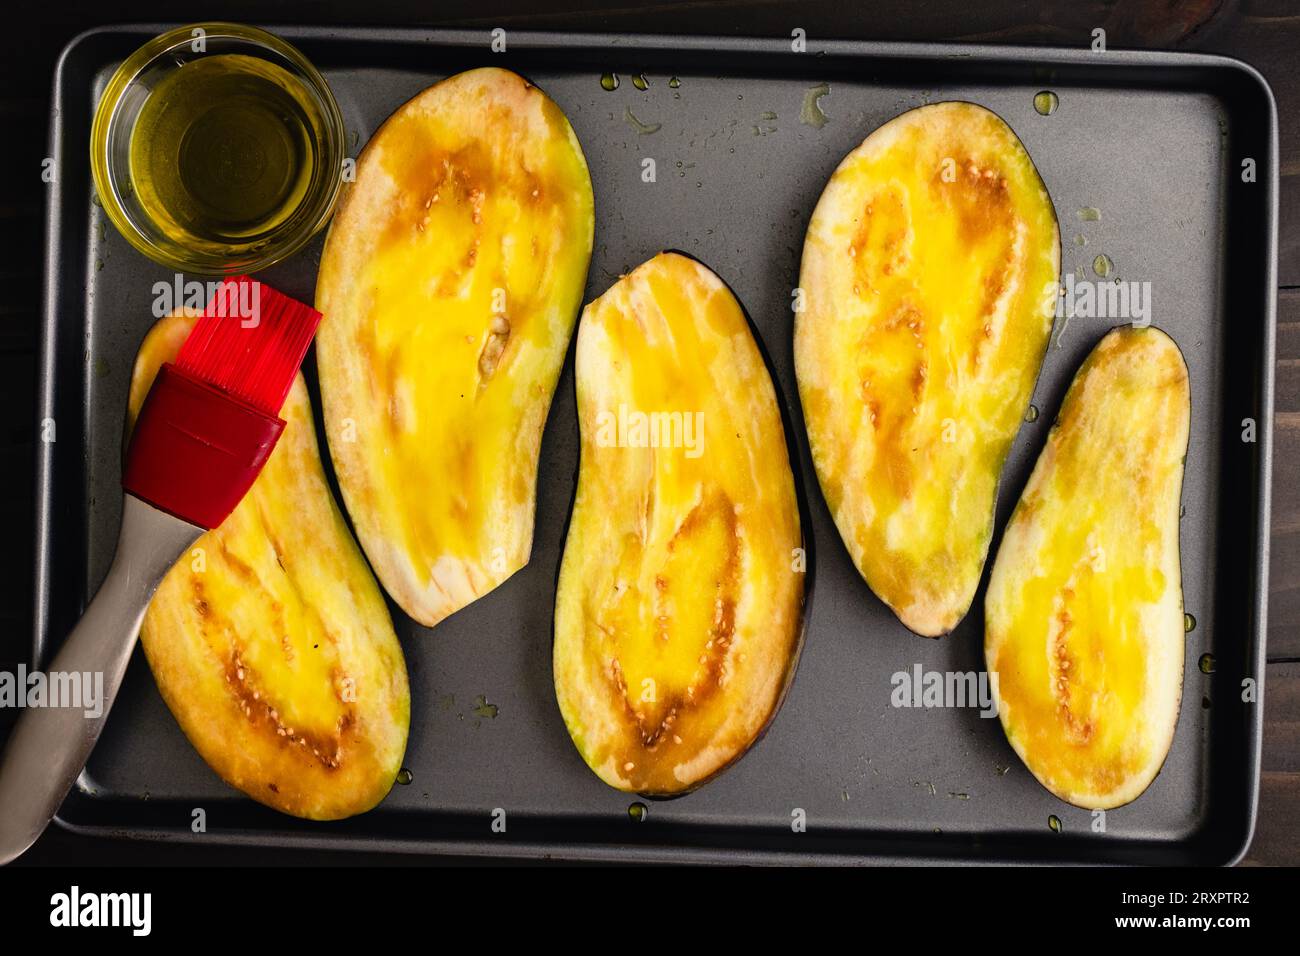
(224, 149)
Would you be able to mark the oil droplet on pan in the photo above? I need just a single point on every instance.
(405, 776)
(1046, 102)
(1090, 214)
(1207, 664)
(483, 709)
(609, 82)
(810, 114)
(1054, 823)
(1032, 414)
(638, 812)
(1189, 623)
(1102, 265)
(640, 82)
(1081, 240)
(674, 83)
(643, 129)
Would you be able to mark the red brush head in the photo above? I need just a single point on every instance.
(249, 343)
(210, 421)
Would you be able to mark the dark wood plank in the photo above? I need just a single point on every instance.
(1282, 718)
(1277, 829)
(1287, 386)
(1284, 598)
(1284, 563)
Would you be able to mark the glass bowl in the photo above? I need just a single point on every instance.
(120, 108)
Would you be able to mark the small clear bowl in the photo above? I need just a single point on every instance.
(110, 150)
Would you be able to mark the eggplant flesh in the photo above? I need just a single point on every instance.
(679, 605)
(1084, 614)
(926, 295)
(270, 640)
(450, 283)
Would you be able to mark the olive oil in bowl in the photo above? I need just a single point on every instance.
(224, 150)
(217, 148)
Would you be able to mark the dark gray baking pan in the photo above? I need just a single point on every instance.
(1154, 142)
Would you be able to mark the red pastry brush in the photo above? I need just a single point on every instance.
(205, 430)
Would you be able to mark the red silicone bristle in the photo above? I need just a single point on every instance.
(250, 342)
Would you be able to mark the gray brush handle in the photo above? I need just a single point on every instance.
(49, 746)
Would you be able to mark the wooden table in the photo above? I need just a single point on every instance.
(1265, 34)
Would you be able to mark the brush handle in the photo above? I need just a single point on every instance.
(49, 746)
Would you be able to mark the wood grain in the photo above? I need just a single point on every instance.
(1284, 545)
(1277, 831)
